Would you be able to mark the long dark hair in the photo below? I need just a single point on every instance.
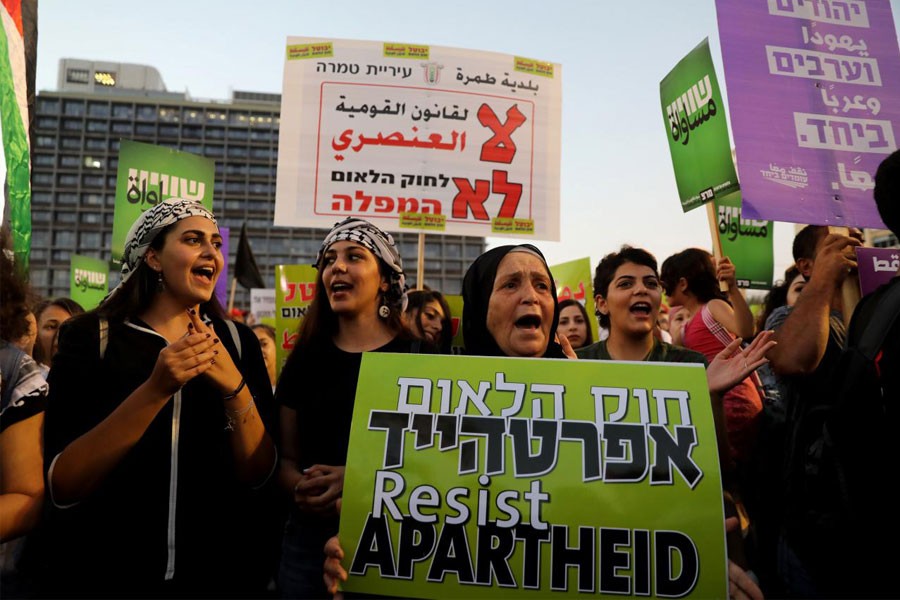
(697, 267)
(137, 294)
(418, 299)
(589, 336)
(320, 324)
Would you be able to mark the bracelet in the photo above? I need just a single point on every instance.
(232, 416)
(236, 391)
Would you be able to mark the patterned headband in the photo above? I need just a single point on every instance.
(151, 223)
(379, 242)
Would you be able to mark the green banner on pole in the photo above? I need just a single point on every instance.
(694, 115)
(88, 281)
(295, 288)
(473, 477)
(149, 174)
(747, 242)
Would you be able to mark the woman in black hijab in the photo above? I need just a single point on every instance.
(509, 305)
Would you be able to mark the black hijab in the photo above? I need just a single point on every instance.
(478, 285)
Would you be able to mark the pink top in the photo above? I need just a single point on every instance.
(742, 403)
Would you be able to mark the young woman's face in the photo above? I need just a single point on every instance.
(49, 322)
(190, 260)
(573, 326)
(267, 345)
(632, 301)
(352, 280)
(520, 310)
(431, 321)
(677, 319)
(794, 289)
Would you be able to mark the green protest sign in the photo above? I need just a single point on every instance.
(149, 174)
(295, 288)
(694, 115)
(88, 280)
(747, 242)
(575, 279)
(483, 477)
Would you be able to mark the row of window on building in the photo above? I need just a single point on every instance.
(162, 130)
(262, 153)
(153, 112)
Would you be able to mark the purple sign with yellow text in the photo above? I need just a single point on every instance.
(814, 97)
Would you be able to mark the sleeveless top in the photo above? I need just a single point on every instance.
(742, 403)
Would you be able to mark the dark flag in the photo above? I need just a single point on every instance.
(245, 270)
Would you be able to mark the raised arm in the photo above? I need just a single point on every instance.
(736, 317)
(803, 336)
(82, 465)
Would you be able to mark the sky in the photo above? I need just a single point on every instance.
(617, 182)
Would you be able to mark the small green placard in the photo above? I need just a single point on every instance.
(295, 288)
(416, 51)
(88, 281)
(304, 51)
(424, 221)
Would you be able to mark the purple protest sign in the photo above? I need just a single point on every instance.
(876, 267)
(814, 96)
(222, 282)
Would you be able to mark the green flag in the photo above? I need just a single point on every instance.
(694, 116)
(149, 174)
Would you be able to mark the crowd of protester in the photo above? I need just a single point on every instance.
(147, 448)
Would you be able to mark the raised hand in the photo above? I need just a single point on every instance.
(222, 370)
(733, 364)
(183, 360)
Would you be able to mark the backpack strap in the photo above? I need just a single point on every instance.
(234, 335)
(104, 336)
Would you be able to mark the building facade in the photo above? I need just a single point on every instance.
(75, 143)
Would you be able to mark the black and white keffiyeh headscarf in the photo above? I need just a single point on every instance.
(150, 224)
(380, 243)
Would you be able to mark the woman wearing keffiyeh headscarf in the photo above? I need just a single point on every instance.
(156, 443)
(358, 305)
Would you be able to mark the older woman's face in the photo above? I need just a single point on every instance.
(520, 311)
